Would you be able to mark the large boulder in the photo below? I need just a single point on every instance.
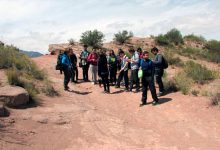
(13, 96)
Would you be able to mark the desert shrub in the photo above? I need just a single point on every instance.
(15, 78)
(172, 60)
(92, 38)
(162, 40)
(195, 92)
(215, 98)
(183, 82)
(174, 36)
(123, 37)
(49, 90)
(195, 38)
(170, 85)
(198, 72)
(213, 45)
(71, 42)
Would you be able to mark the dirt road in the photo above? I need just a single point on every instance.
(88, 119)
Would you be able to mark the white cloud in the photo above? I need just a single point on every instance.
(33, 25)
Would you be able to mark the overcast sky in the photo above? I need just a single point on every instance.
(34, 24)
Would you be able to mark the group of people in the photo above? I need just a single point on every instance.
(105, 66)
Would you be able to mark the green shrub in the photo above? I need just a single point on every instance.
(215, 98)
(170, 85)
(195, 92)
(71, 42)
(49, 90)
(183, 82)
(198, 72)
(92, 38)
(213, 45)
(174, 36)
(169, 55)
(162, 40)
(195, 38)
(123, 37)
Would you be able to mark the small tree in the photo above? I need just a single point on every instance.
(71, 41)
(92, 38)
(123, 37)
(162, 40)
(174, 36)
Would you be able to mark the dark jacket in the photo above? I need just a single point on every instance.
(73, 60)
(102, 65)
(158, 62)
(148, 67)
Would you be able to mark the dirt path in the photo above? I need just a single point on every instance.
(88, 119)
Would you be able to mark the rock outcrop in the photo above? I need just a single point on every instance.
(13, 96)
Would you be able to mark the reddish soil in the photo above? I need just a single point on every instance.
(88, 119)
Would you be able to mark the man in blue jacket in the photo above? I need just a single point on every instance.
(147, 67)
(66, 63)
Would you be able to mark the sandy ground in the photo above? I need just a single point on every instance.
(85, 118)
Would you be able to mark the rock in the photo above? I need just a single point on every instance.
(2, 109)
(13, 96)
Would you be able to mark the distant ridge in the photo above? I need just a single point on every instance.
(31, 54)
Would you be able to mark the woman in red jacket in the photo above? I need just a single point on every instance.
(93, 60)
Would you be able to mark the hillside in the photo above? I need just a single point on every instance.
(31, 54)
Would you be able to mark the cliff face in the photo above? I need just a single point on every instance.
(145, 43)
(55, 48)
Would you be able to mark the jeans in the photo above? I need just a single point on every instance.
(94, 70)
(134, 79)
(75, 74)
(158, 75)
(67, 76)
(85, 69)
(113, 73)
(120, 77)
(105, 82)
(148, 81)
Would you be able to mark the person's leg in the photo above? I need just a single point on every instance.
(77, 74)
(132, 79)
(120, 77)
(126, 79)
(73, 76)
(114, 75)
(111, 75)
(153, 91)
(95, 73)
(104, 82)
(92, 72)
(107, 84)
(144, 91)
(159, 81)
(136, 80)
(66, 78)
(84, 72)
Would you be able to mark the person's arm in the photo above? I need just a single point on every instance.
(159, 60)
(89, 58)
(126, 64)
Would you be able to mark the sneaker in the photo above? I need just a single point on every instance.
(160, 94)
(117, 87)
(141, 105)
(155, 103)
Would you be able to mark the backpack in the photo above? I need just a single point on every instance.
(164, 63)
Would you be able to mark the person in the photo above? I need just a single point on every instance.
(73, 60)
(103, 71)
(159, 71)
(147, 67)
(85, 64)
(124, 71)
(93, 60)
(66, 63)
(59, 60)
(119, 59)
(112, 61)
(134, 61)
(140, 53)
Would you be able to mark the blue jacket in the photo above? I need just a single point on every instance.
(66, 61)
(147, 66)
